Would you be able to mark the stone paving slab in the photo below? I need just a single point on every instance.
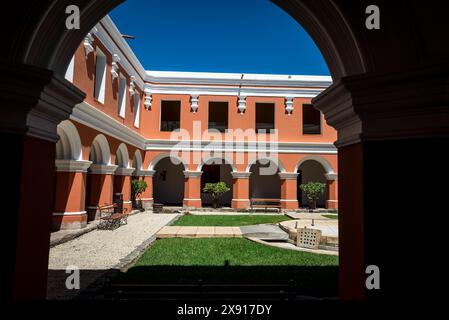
(168, 232)
(237, 232)
(186, 232)
(205, 232)
(224, 232)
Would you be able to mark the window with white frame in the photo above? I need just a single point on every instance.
(136, 109)
(122, 96)
(100, 76)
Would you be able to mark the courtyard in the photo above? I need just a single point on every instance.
(135, 254)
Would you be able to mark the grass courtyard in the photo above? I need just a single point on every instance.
(228, 220)
(233, 260)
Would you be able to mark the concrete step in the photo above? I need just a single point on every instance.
(265, 232)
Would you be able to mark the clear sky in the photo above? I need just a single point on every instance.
(239, 36)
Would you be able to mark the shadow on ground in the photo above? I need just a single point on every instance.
(180, 282)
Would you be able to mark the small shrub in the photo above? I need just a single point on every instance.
(313, 191)
(216, 190)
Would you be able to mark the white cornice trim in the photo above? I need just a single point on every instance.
(331, 176)
(74, 213)
(192, 174)
(197, 90)
(242, 146)
(90, 116)
(124, 171)
(214, 78)
(102, 168)
(240, 174)
(111, 38)
(72, 165)
(288, 175)
(145, 173)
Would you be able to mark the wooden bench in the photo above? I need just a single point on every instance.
(265, 203)
(110, 219)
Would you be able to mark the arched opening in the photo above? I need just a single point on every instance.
(311, 171)
(68, 146)
(168, 182)
(99, 182)
(216, 170)
(264, 181)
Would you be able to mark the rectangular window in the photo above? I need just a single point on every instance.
(170, 115)
(311, 120)
(100, 76)
(122, 96)
(264, 116)
(218, 116)
(136, 109)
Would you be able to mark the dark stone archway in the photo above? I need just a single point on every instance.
(389, 95)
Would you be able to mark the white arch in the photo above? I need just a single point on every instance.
(137, 161)
(122, 156)
(99, 151)
(211, 160)
(276, 161)
(324, 163)
(161, 156)
(69, 145)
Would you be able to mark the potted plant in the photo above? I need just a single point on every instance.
(312, 190)
(216, 190)
(137, 188)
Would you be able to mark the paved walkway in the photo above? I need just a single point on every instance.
(260, 231)
(100, 250)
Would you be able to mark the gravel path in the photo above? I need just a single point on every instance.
(100, 250)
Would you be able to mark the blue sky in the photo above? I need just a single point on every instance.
(241, 36)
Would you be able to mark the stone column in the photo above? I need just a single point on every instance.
(70, 196)
(192, 189)
(240, 190)
(147, 195)
(100, 189)
(332, 191)
(28, 121)
(289, 195)
(122, 184)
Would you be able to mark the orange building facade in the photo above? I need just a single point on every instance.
(180, 130)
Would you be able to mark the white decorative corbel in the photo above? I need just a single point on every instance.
(114, 66)
(147, 101)
(132, 79)
(242, 104)
(89, 40)
(194, 103)
(289, 105)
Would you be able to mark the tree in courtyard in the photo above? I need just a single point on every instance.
(313, 191)
(216, 190)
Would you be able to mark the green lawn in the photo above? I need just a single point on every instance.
(331, 216)
(233, 260)
(228, 220)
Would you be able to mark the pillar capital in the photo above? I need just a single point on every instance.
(388, 106)
(38, 112)
(240, 174)
(288, 175)
(192, 174)
(124, 171)
(72, 165)
(331, 176)
(145, 173)
(102, 168)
